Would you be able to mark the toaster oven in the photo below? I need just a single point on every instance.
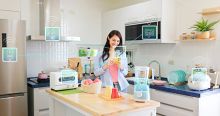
(64, 79)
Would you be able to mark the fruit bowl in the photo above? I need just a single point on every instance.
(90, 86)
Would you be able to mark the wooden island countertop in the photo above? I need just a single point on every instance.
(93, 104)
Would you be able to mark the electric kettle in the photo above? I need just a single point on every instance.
(199, 80)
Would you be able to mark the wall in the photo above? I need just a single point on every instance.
(184, 55)
(48, 56)
(85, 21)
(81, 18)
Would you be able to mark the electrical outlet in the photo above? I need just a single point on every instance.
(171, 62)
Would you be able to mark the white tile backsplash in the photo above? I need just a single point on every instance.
(47, 56)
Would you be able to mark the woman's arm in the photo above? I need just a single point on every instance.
(124, 64)
(98, 68)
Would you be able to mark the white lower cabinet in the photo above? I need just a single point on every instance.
(38, 101)
(172, 104)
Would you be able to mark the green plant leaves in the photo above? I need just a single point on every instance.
(203, 25)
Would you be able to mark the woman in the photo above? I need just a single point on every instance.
(111, 64)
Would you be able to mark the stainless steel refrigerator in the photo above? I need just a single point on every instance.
(13, 85)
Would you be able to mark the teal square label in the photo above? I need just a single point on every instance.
(9, 54)
(199, 74)
(52, 33)
(149, 32)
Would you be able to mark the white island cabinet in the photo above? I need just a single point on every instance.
(84, 104)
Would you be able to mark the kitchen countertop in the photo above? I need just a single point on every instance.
(183, 90)
(32, 82)
(95, 105)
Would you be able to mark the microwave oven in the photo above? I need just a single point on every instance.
(145, 30)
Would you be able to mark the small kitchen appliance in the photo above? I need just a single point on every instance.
(64, 79)
(141, 85)
(199, 80)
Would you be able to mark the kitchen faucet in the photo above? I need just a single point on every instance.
(155, 61)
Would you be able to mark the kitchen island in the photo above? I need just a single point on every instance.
(81, 104)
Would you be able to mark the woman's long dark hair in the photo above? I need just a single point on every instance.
(105, 53)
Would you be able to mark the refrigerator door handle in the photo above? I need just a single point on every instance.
(4, 40)
(7, 96)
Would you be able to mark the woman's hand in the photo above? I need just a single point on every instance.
(106, 66)
(121, 66)
(109, 63)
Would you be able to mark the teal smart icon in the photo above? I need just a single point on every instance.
(9, 54)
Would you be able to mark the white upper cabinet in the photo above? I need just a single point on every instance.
(9, 15)
(9, 9)
(164, 10)
(10, 5)
(169, 21)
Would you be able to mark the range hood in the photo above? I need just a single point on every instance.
(45, 13)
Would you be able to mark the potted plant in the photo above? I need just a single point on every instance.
(203, 27)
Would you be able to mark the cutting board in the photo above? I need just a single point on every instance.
(75, 64)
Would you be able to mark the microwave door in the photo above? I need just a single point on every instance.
(132, 32)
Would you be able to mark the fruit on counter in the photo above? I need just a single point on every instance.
(93, 87)
(89, 81)
(96, 80)
(85, 82)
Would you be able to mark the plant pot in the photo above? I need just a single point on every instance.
(203, 35)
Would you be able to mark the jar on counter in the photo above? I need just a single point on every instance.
(184, 36)
(193, 35)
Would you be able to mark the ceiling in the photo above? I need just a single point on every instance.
(115, 4)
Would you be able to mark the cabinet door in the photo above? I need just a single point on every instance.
(10, 5)
(168, 110)
(41, 98)
(41, 102)
(169, 20)
(44, 113)
(9, 15)
(174, 104)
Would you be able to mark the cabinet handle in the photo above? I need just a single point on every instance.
(45, 109)
(177, 107)
(4, 40)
